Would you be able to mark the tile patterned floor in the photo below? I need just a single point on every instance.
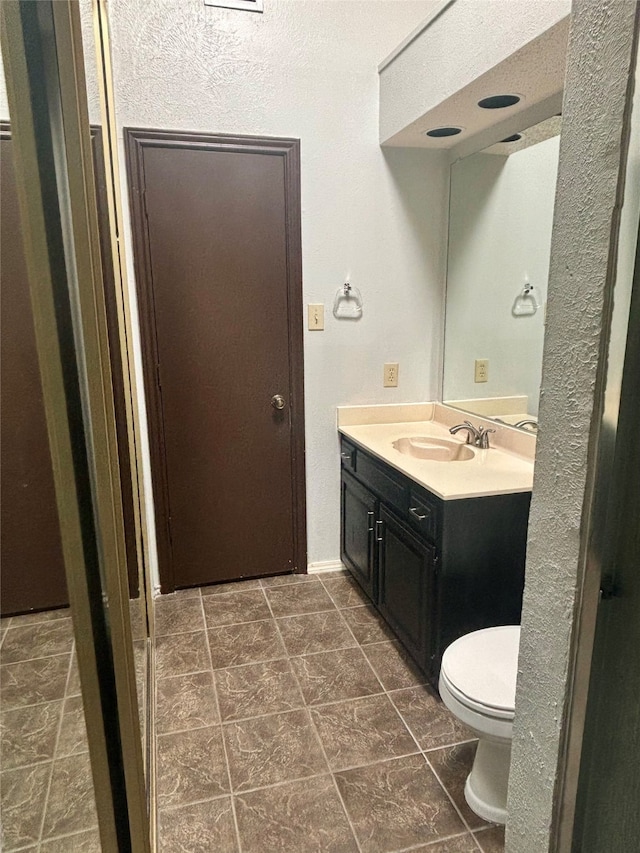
(288, 719)
(46, 789)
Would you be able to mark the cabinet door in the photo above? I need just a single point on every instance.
(405, 582)
(359, 509)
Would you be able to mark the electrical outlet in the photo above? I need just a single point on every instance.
(391, 375)
(482, 370)
(316, 317)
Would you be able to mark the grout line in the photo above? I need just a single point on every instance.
(166, 809)
(178, 674)
(55, 748)
(69, 835)
(306, 613)
(9, 710)
(65, 615)
(449, 745)
(224, 742)
(251, 663)
(445, 789)
(366, 764)
(244, 791)
(421, 845)
(476, 832)
(291, 668)
(319, 740)
(30, 660)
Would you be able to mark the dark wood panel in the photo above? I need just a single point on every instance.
(217, 250)
(31, 551)
(32, 575)
(359, 514)
(406, 566)
(482, 550)
(384, 481)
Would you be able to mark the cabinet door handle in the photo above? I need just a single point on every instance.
(370, 517)
(346, 456)
(414, 512)
(379, 531)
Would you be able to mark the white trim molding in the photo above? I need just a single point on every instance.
(326, 566)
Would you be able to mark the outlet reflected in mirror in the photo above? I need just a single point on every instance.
(500, 222)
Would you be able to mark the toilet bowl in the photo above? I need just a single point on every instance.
(478, 685)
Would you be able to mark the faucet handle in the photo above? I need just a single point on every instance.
(483, 437)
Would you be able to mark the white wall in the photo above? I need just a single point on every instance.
(485, 33)
(585, 224)
(500, 233)
(307, 69)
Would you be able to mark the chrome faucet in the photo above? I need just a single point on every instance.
(528, 422)
(478, 436)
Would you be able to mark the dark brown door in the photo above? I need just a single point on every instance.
(217, 249)
(30, 547)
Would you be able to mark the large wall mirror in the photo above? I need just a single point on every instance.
(500, 222)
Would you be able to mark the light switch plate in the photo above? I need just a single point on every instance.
(390, 376)
(482, 370)
(316, 317)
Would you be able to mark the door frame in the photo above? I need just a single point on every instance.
(136, 140)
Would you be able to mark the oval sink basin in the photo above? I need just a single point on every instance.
(434, 449)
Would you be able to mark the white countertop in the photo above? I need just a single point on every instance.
(496, 471)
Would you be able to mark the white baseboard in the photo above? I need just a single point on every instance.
(326, 566)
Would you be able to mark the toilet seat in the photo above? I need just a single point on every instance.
(480, 670)
(478, 707)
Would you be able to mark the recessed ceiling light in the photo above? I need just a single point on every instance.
(443, 131)
(514, 138)
(498, 102)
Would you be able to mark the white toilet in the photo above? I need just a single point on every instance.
(478, 685)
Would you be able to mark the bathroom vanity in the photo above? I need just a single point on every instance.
(435, 561)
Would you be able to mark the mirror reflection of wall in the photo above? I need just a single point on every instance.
(501, 216)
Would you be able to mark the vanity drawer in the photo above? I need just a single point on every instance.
(422, 514)
(391, 489)
(347, 455)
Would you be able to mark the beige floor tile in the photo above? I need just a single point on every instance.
(249, 642)
(452, 765)
(393, 666)
(397, 804)
(298, 598)
(186, 702)
(71, 804)
(33, 681)
(191, 767)
(23, 794)
(315, 632)
(362, 731)
(305, 817)
(206, 827)
(267, 750)
(334, 676)
(256, 689)
(235, 608)
(430, 721)
(28, 735)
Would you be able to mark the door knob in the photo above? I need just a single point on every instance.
(277, 401)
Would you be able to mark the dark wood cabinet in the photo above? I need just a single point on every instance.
(359, 514)
(406, 577)
(434, 569)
